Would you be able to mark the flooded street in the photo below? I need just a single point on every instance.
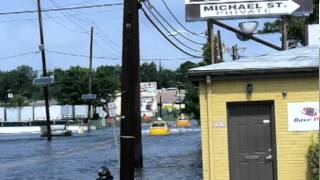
(177, 156)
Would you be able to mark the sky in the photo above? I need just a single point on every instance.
(68, 31)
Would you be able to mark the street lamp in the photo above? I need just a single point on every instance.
(247, 27)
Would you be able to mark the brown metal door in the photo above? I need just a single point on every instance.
(250, 142)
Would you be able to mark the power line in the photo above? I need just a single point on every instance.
(167, 7)
(174, 29)
(19, 55)
(61, 9)
(66, 15)
(118, 58)
(80, 55)
(103, 34)
(166, 29)
(172, 43)
(55, 17)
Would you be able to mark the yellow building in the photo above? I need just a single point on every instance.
(259, 115)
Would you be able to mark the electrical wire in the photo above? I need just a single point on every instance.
(117, 58)
(80, 55)
(61, 9)
(172, 43)
(66, 15)
(151, 7)
(19, 55)
(103, 34)
(174, 17)
(166, 29)
(54, 17)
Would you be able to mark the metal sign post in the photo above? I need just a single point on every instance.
(112, 113)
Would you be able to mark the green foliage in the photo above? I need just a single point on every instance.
(18, 101)
(107, 82)
(206, 53)
(148, 72)
(313, 160)
(295, 26)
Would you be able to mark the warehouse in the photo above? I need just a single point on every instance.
(251, 112)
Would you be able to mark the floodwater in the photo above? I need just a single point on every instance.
(176, 156)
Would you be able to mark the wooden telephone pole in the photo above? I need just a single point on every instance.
(210, 30)
(131, 144)
(44, 71)
(90, 79)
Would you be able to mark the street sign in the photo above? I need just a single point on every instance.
(265, 8)
(237, 9)
(112, 109)
(89, 96)
(43, 81)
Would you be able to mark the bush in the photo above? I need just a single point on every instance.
(313, 160)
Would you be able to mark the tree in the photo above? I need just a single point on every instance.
(206, 52)
(74, 83)
(191, 99)
(106, 82)
(295, 26)
(148, 72)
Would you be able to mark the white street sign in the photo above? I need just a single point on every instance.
(88, 96)
(43, 81)
(112, 109)
(265, 8)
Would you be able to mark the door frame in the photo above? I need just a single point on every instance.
(273, 131)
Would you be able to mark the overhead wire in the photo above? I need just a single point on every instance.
(54, 17)
(163, 34)
(116, 58)
(178, 21)
(103, 36)
(152, 7)
(61, 9)
(166, 29)
(67, 14)
(19, 55)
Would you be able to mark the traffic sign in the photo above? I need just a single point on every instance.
(112, 109)
(43, 81)
(237, 9)
(89, 96)
(264, 8)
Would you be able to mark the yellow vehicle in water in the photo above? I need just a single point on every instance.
(159, 127)
(183, 121)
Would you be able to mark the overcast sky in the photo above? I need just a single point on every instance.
(68, 32)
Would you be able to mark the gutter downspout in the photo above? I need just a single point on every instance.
(208, 96)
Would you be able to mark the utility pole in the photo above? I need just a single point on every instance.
(235, 54)
(90, 79)
(44, 72)
(220, 46)
(131, 145)
(285, 33)
(211, 39)
(160, 105)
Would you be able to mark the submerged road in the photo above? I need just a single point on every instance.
(177, 156)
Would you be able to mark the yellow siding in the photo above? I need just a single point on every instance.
(291, 146)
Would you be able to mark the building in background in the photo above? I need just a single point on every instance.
(259, 115)
(171, 99)
(148, 93)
